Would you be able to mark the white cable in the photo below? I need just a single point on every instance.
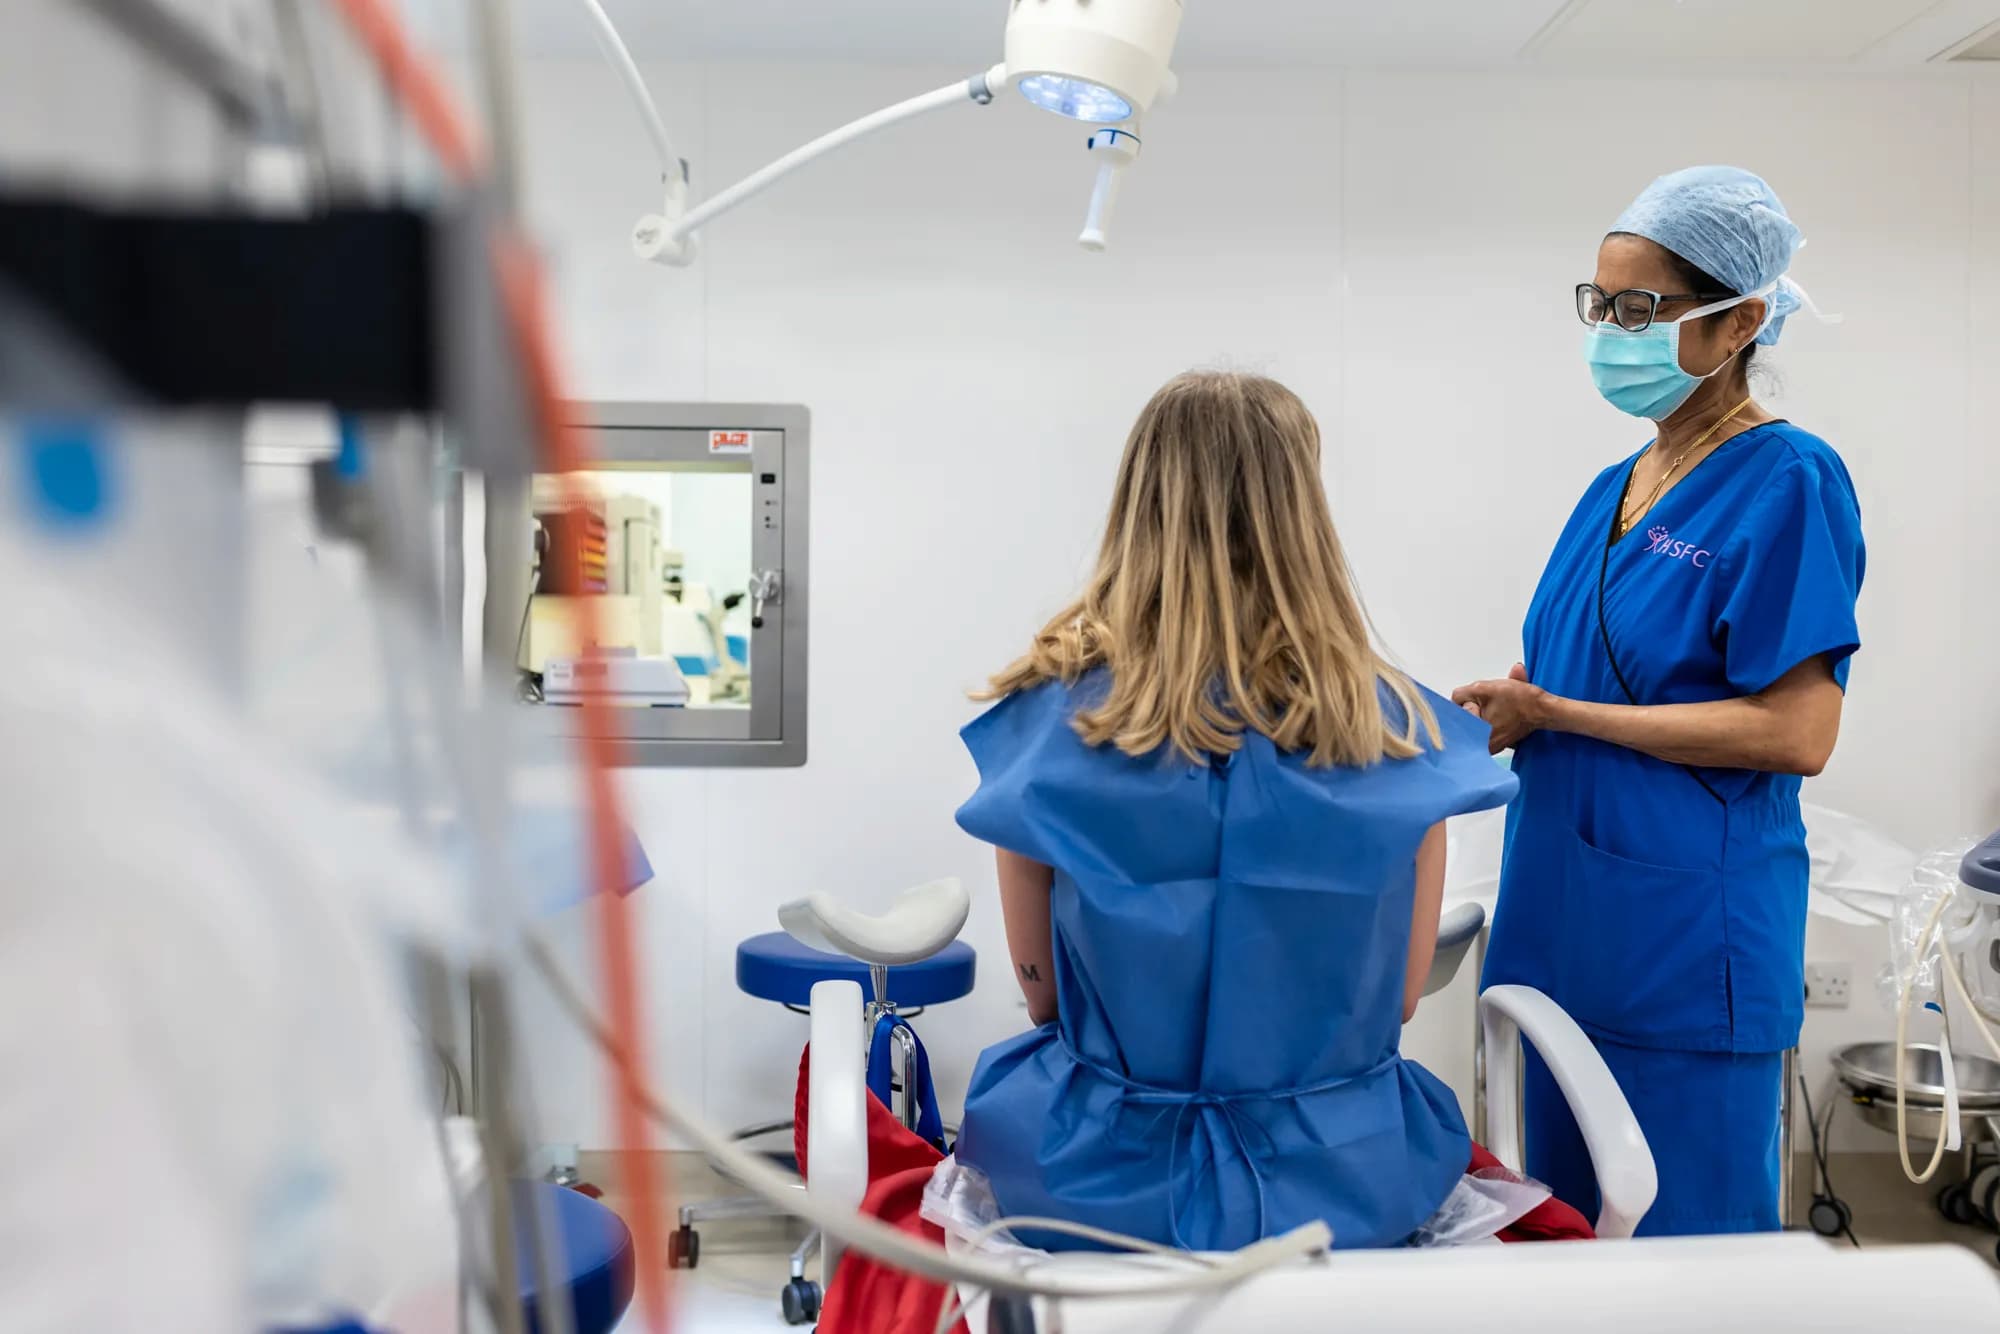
(965, 90)
(609, 42)
(1085, 1232)
(1902, 1040)
(873, 1237)
(950, 1312)
(1958, 987)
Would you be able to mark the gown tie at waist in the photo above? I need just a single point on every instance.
(1192, 1108)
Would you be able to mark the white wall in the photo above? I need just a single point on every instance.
(128, 125)
(1400, 250)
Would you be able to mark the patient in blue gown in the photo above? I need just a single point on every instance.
(1218, 814)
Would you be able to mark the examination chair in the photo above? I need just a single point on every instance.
(1745, 1283)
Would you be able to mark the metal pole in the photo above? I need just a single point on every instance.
(493, 21)
(500, 1152)
(1786, 1186)
(1478, 1040)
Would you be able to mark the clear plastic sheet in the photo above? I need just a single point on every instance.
(201, 966)
(1481, 1206)
(1858, 871)
(960, 1200)
(1934, 880)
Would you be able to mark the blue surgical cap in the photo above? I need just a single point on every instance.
(1728, 223)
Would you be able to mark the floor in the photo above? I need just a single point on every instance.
(744, 1263)
(743, 1267)
(1888, 1210)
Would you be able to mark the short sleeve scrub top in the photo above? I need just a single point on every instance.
(1664, 907)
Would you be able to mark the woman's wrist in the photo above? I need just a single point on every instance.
(1554, 713)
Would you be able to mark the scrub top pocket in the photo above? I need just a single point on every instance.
(1651, 967)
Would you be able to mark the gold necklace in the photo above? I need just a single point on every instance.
(1629, 514)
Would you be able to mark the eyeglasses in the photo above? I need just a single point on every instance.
(1633, 309)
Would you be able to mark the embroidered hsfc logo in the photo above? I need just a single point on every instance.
(1660, 542)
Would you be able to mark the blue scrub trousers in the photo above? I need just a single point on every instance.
(1711, 1118)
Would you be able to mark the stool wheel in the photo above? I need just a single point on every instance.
(683, 1248)
(1982, 1194)
(1829, 1217)
(800, 1300)
(1956, 1205)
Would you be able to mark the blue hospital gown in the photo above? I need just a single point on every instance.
(1230, 948)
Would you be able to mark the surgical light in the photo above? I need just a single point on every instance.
(1079, 99)
(1102, 62)
(1088, 58)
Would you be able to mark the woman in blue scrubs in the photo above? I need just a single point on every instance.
(1685, 664)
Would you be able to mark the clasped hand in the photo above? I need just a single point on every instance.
(1514, 707)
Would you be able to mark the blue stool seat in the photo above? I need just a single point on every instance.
(774, 967)
(596, 1256)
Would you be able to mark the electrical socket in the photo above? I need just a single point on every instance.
(1829, 986)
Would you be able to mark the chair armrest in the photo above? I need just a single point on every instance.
(1627, 1180)
(1457, 930)
(837, 1105)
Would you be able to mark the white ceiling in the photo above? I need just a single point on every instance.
(1358, 33)
(1987, 48)
(1806, 31)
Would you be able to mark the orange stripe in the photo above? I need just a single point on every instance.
(427, 99)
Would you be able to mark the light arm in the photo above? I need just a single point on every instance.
(669, 238)
(673, 167)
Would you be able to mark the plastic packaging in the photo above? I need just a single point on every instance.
(960, 1200)
(1858, 872)
(1481, 1206)
(1935, 879)
(202, 969)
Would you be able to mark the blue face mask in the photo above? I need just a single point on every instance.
(1640, 373)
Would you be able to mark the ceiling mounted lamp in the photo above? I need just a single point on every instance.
(1102, 62)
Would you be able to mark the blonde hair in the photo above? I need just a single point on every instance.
(1222, 600)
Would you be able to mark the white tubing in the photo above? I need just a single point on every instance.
(621, 60)
(752, 186)
(873, 1237)
(1958, 988)
(1902, 1040)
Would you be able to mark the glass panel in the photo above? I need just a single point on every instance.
(664, 549)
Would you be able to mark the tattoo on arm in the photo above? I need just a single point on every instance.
(1030, 973)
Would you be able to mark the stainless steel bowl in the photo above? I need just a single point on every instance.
(1868, 1069)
